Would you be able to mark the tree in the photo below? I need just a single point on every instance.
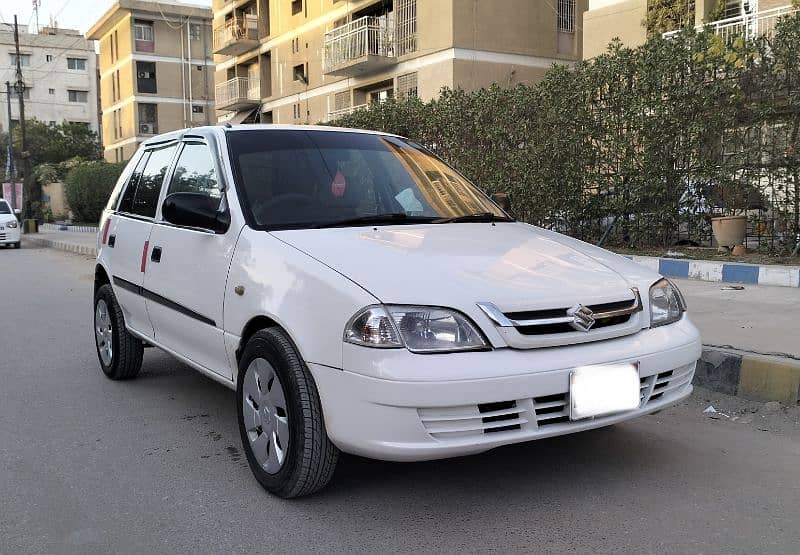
(88, 186)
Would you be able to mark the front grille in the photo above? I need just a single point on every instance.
(606, 314)
(655, 387)
(551, 409)
(567, 325)
(540, 412)
(2, 236)
(472, 420)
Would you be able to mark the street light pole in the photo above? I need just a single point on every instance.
(19, 86)
(10, 152)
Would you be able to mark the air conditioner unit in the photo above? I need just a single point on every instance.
(146, 129)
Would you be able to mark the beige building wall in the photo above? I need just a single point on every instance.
(606, 20)
(621, 19)
(458, 43)
(180, 54)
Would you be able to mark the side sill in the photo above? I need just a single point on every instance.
(202, 369)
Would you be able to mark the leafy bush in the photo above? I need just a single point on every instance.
(88, 186)
(655, 139)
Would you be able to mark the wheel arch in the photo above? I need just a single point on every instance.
(255, 324)
(101, 277)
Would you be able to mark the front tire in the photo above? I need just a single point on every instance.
(17, 245)
(280, 418)
(119, 352)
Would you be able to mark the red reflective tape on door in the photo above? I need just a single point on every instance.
(144, 254)
(105, 230)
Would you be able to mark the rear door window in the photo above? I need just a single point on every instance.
(149, 186)
(126, 203)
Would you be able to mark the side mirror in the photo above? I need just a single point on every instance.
(194, 210)
(17, 211)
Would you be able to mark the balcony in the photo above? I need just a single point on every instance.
(237, 94)
(236, 35)
(336, 114)
(366, 44)
(745, 26)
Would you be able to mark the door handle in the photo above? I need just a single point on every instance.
(155, 256)
(112, 239)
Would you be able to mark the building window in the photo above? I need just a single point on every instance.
(407, 86)
(566, 16)
(299, 73)
(197, 109)
(49, 57)
(297, 6)
(76, 63)
(51, 91)
(148, 119)
(116, 79)
(146, 77)
(143, 36)
(194, 31)
(77, 96)
(24, 60)
(341, 101)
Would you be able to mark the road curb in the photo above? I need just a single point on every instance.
(752, 376)
(62, 245)
(727, 272)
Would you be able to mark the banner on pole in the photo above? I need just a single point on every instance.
(8, 194)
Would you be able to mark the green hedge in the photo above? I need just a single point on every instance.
(88, 186)
(653, 138)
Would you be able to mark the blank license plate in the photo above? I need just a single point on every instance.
(604, 389)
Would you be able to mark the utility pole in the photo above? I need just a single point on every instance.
(10, 166)
(19, 86)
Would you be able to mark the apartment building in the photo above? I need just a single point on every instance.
(306, 61)
(625, 19)
(156, 71)
(59, 68)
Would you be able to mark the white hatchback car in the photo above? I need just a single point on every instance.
(361, 295)
(9, 226)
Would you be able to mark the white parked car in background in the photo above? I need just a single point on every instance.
(9, 226)
(360, 295)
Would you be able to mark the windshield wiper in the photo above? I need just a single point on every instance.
(391, 218)
(477, 217)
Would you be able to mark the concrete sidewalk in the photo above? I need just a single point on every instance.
(70, 241)
(750, 335)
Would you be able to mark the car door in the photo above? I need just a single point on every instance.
(188, 268)
(129, 234)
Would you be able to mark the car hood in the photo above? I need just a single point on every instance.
(513, 265)
(7, 218)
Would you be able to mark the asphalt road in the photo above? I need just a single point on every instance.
(154, 465)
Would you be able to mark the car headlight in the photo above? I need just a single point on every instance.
(667, 304)
(421, 329)
(12, 224)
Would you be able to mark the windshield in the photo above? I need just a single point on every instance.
(4, 208)
(301, 179)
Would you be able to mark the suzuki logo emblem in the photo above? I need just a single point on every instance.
(582, 317)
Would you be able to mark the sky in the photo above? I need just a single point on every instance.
(69, 14)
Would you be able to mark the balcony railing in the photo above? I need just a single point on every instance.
(363, 44)
(236, 35)
(237, 94)
(336, 114)
(745, 26)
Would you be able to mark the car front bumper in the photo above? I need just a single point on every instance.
(9, 235)
(523, 394)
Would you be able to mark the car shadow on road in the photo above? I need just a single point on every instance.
(578, 464)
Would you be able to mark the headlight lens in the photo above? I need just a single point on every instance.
(667, 304)
(421, 329)
(12, 224)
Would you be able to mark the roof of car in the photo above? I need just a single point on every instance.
(174, 135)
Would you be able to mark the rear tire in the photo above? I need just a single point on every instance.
(287, 446)
(119, 352)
